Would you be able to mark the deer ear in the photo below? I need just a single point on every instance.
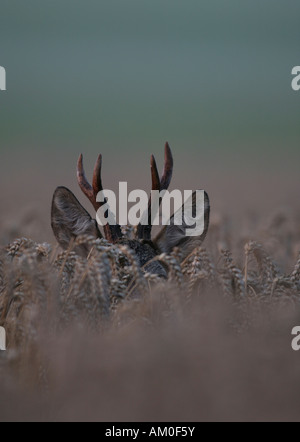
(69, 220)
(178, 233)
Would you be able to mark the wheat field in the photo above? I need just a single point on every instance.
(100, 339)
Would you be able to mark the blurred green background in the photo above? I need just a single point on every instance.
(209, 75)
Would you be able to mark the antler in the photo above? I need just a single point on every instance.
(144, 232)
(112, 233)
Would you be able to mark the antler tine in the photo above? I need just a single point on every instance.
(154, 174)
(112, 233)
(82, 180)
(155, 186)
(90, 191)
(97, 180)
(168, 168)
(144, 232)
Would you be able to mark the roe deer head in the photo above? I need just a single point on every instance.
(69, 219)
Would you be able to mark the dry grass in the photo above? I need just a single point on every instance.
(100, 339)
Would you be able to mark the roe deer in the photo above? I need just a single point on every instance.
(69, 219)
